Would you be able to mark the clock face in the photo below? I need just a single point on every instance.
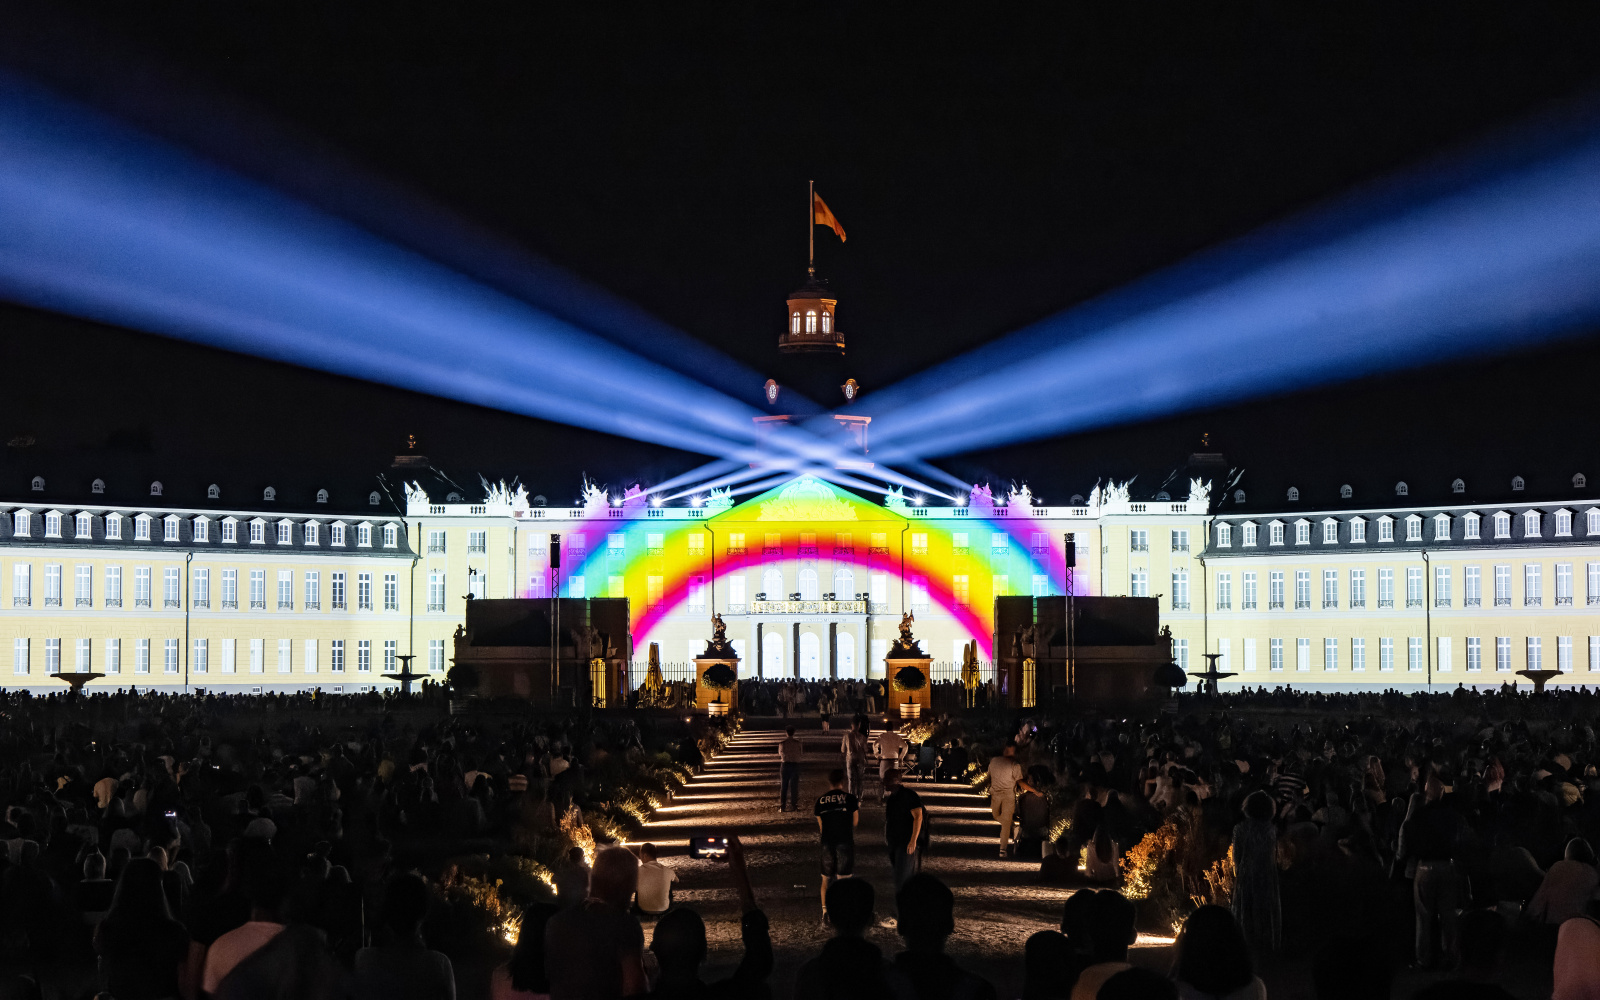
(772, 391)
(850, 389)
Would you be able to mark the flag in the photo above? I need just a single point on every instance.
(821, 216)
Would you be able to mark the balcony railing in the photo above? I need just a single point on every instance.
(1224, 605)
(1300, 605)
(258, 605)
(391, 605)
(285, 605)
(1594, 599)
(958, 550)
(203, 602)
(1441, 602)
(1181, 547)
(878, 607)
(697, 552)
(1040, 550)
(806, 551)
(1413, 602)
(1139, 547)
(1563, 602)
(230, 605)
(476, 549)
(844, 550)
(1180, 605)
(1274, 605)
(20, 602)
(83, 602)
(1358, 603)
(772, 550)
(738, 609)
(336, 606)
(52, 602)
(311, 606)
(1385, 603)
(654, 550)
(1532, 602)
(807, 608)
(113, 602)
(1472, 602)
(614, 552)
(694, 609)
(919, 609)
(1502, 602)
(435, 607)
(435, 549)
(736, 550)
(1247, 605)
(1327, 604)
(878, 550)
(1000, 551)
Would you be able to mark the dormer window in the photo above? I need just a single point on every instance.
(336, 534)
(258, 532)
(38, 484)
(285, 532)
(200, 530)
(21, 524)
(1414, 528)
(827, 321)
(141, 528)
(1402, 490)
(1471, 524)
(373, 499)
(1238, 496)
(1275, 533)
(1224, 536)
(1294, 493)
(1502, 525)
(811, 321)
(1580, 482)
(1458, 486)
(1441, 527)
(114, 527)
(1385, 528)
(83, 526)
(1247, 533)
(1302, 532)
(364, 536)
(322, 496)
(1592, 517)
(98, 486)
(1531, 524)
(213, 492)
(391, 536)
(1330, 531)
(169, 528)
(1517, 484)
(309, 533)
(52, 524)
(1345, 492)
(1563, 523)
(1358, 529)
(230, 530)
(156, 488)
(269, 494)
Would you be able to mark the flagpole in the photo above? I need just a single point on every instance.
(811, 229)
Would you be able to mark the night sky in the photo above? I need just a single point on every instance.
(989, 170)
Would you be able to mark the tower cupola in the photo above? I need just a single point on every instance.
(812, 325)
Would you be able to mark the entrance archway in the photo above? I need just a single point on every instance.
(847, 655)
(810, 656)
(772, 664)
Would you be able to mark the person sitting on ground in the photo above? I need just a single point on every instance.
(849, 965)
(1482, 935)
(1568, 886)
(404, 968)
(655, 882)
(679, 945)
(572, 880)
(1112, 933)
(1212, 960)
(927, 919)
(595, 950)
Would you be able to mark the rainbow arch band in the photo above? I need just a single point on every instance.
(653, 563)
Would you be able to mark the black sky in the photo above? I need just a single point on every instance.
(990, 168)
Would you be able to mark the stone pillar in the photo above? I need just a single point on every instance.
(704, 696)
(794, 652)
(833, 650)
(898, 697)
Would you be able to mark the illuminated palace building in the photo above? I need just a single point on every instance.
(303, 586)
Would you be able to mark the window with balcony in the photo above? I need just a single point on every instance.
(1302, 588)
(364, 591)
(1358, 588)
(1563, 585)
(696, 544)
(1413, 586)
(1224, 591)
(1180, 590)
(336, 594)
(1472, 586)
(736, 543)
(1180, 540)
(200, 587)
(478, 542)
(1138, 540)
(52, 586)
(113, 587)
(391, 592)
(230, 589)
(285, 590)
(919, 543)
(1247, 594)
(83, 586)
(1502, 586)
(435, 542)
(1275, 590)
(258, 590)
(1330, 589)
(436, 591)
(1532, 591)
(1441, 586)
(1385, 588)
(655, 543)
(1593, 591)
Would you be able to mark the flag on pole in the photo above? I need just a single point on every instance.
(821, 216)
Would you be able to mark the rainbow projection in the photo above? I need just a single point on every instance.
(801, 542)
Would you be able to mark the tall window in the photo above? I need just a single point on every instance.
(1563, 584)
(827, 321)
(1358, 588)
(1180, 590)
(1180, 540)
(1385, 588)
(391, 592)
(435, 542)
(141, 586)
(1330, 588)
(478, 541)
(1040, 585)
(1502, 653)
(1275, 589)
(1000, 585)
(113, 586)
(1275, 654)
(1532, 592)
(200, 656)
(1138, 540)
(1564, 653)
(169, 660)
(576, 585)
(52, 586)
(1441, 586)
(1302, 588)
(436, 655)
(1358, 655)
(336, 656)
(230, 588)
(258, 655)
(1247, 600)
(1414, 653)
(1592, 594)
(1535, 653)
(113, 656)
(794, 323)
(389, 656)
(1413, 586)
(52, 656)
(258, 590)
(435, 591)
(285, 590)
(1594, 652)
(141, 656)
(83, 586)
(1330, 654)
(1474, 654)
(697, 595)
(1302, 654)
(364, 591)
(1502, 586)
(336, 591)
(960, 591)
(171, 587)
(811, 321)
(919, 543)
(1385, 654)
(1139, 583)
(364, 656)
(285, 656)
(200, 587)
(1224, 591)
(313, 590)
(1472, 586)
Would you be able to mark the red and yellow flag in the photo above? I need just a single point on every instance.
(820, 215)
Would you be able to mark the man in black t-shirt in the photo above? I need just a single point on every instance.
(838, 812)
(902, 828)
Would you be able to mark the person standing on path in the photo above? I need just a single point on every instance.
(891, 747)
(789, 754)
(902, 828)
(838, 813)
(856, 750)
(1005, 777)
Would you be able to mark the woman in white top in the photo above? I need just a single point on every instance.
(1211, 960)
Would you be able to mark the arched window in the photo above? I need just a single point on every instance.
(1401, 490)
(844, 583)
(772, 583)
(847, 655)
(1516, 483)
(827, 321)
(1294, 493)
(794, 323)
(808, 585)
(1458, 486)
(811, 321)
(810, 656)
(772, 664)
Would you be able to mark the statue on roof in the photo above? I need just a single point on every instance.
(594, 497)
(416, 494)
(895, 499)
(1200, 492)
(720, 498)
